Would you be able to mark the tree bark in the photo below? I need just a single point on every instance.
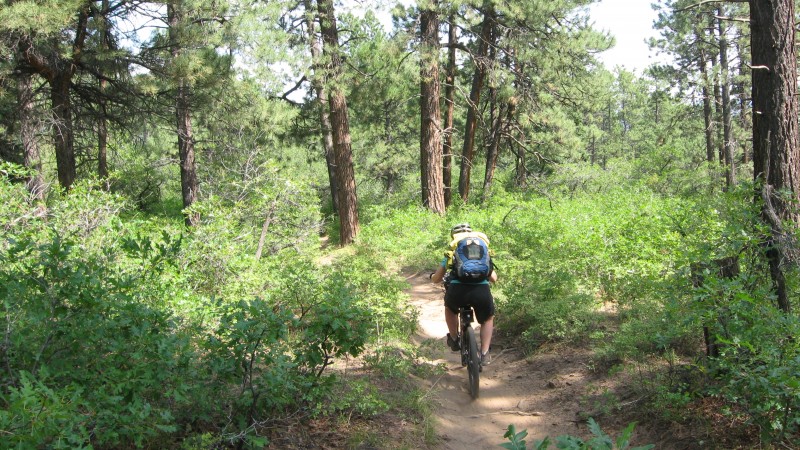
(318, 84)
(468, 150)
(183, 120)
(707, 112)
(449, 95)
(491, 137)
(102, 126)
(340, 126)
(727, 137)
(189, 184)
(30, 145)
(58, 71)
(492, 153)
(430, 113)
(718, 123)
(102, 136)
(62, 130)
(744, 102)
(775, 134)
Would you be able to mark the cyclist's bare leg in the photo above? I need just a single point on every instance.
(452, 322)
(486, 334)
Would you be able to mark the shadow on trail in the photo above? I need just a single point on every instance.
(540, 393)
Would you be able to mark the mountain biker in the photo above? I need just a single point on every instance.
(460, 293)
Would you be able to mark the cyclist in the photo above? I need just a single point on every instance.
(460, 293)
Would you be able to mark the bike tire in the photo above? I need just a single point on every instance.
(473, 364)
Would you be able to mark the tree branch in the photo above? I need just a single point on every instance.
(706, 2)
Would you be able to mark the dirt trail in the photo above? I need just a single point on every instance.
(539, 393)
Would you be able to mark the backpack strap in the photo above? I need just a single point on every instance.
(459, 236)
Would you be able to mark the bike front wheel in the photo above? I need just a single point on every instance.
(473, 363)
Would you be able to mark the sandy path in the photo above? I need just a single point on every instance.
(539, 393)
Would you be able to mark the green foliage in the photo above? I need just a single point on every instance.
(382, 294)
(759, 364)
(87, 207)
(123, 328)
(516, 440)
(15, 211)
(141, 177)
(109, 337)
(599, 441)
(35, 415)
(354, 398)
(31, 17)
(571, 255)
(77, 333)
(405, 237)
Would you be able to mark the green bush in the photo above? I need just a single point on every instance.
(759, 363)
(76, 328)
(35, 415)
(599, 441)
(108, 332)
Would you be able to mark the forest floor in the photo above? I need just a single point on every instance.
(545, 393)
(549, 393)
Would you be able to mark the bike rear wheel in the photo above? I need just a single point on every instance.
(473, 363)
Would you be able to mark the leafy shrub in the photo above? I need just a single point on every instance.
(87, 207)
(75, 328)
(108, 333)
(36, 415)
(356, 397)
(567, 257)
(16, 212)
(599, 441)
(759, 363)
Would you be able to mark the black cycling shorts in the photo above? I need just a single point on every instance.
(479, 296)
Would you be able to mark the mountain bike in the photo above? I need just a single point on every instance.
(470, 358)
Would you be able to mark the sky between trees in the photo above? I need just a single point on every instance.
(631, 22)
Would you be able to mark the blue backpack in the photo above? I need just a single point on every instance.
(471, 260)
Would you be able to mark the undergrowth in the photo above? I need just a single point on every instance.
(123, 327)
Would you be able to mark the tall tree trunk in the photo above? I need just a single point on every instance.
(468, 150)
(718, 123)
(499, 129)
(102, 135)
(340, 126)
(744, 101)
(490, 137)
(60, 80)
(520, 168)
(776, 154)
(189, 184)
(708, 117)
(30, 145)
(727, 137)
(707, 111)
(318, 84)
(449, 96)
(183, 119)
(58, 71)
(102, 121)
(494, 149)
(430, 113)
(62, 130)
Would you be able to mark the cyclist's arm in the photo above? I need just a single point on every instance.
(493, 276)
(439, 274)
